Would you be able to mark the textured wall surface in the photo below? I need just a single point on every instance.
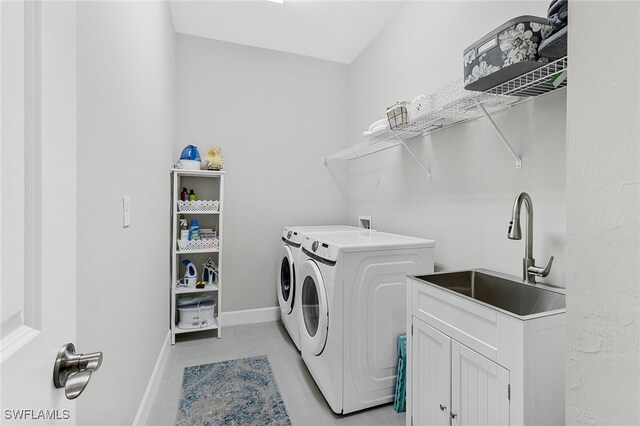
(603, 249)
(275, 115)
(126, 100)
(467, 205)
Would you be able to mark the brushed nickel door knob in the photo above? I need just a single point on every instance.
(73, 371)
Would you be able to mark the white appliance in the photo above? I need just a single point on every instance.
(199, 316)
(353, 308)
(292, 237)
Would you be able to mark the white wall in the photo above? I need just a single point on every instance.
(275, 115)
(467, 206)
(126, 99)
(603, 252)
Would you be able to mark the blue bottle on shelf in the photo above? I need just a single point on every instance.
(194, 230)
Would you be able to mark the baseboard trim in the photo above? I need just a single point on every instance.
(250, 316)
(142, 416)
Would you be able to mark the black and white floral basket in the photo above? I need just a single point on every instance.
(505, 53)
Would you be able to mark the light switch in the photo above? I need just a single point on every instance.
(126, 212)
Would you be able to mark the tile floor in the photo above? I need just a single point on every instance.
(303, 399)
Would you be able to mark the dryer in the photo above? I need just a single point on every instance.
(292, 237)
(351, 310)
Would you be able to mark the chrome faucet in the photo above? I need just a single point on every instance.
(529, 270)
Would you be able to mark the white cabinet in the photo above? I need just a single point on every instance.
(479, 389)
(430, 390)
(451, 384)
(468, 364)
(207, 211)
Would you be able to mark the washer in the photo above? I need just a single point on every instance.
(353, 308)
(292, 237)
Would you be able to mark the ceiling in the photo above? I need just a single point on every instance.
(333, 30)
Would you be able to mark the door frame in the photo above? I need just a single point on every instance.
(48, 317)
(19, 330)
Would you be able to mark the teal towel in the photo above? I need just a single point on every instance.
(400, 400)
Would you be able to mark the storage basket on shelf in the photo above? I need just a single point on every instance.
(202, 244)
(505, 53)
(397, 114)
(199, 206)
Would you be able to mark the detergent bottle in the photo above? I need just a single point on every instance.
(194, 230)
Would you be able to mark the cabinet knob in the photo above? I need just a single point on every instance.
(443, 407)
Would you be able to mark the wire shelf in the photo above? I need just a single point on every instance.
(452, 105)
(536, 82)
(459, 109)
(376, 144)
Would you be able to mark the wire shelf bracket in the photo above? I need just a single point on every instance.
(379, 179)
(501, 136)
(425, 168)
(361, 158)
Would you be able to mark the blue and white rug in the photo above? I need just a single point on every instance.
(235, 392)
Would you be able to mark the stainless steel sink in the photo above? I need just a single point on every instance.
(499, 291)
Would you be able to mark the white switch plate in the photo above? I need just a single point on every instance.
(126, 212)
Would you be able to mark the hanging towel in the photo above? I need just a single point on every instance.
(400, 399)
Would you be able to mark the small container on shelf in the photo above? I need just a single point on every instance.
(397, 114)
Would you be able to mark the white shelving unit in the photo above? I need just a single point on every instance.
(207, 185)
(457, 106)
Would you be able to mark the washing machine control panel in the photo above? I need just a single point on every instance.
(292, 237)
(320, 249)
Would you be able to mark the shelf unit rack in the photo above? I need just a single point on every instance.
(210, 183)
(464, 107)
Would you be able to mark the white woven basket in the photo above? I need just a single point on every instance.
(205, 244)
(200, 206)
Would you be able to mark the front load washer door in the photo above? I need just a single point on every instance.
(286, 281)
(315, 308)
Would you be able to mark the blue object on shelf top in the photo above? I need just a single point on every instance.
(190, 152)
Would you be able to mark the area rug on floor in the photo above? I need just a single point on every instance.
(235, 392)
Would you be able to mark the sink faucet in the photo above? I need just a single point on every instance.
(529, 270)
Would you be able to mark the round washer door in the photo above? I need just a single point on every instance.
(314, 318)
(286, 280)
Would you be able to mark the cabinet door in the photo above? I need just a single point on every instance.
(431, 375)
(479, 389)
